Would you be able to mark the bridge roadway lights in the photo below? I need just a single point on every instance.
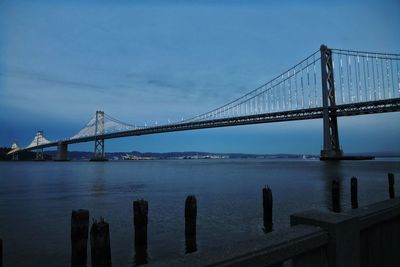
(62, 152)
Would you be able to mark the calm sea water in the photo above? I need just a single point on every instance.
(36, 200)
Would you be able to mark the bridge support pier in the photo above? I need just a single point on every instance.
(39, 154)
(15, 156)
(98, 154)
(331, 149)
(62, 152)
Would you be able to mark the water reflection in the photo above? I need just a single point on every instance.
(190, 224)
(98, 186)
(140, 221)
(141, 257)
(190, 244)
(24, 193)
(353, 192)
(267, 209)
(336, 196)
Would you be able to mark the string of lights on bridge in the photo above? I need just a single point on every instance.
(358, 76)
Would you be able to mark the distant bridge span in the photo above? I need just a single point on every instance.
(364, 83)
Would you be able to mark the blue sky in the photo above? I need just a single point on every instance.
(147, 61)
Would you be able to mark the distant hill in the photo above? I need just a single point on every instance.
(79, 155)
(85, 155)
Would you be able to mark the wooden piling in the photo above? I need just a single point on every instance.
(190, 215)
(190, 223)
(354, 193)
(100, 244)
(335, 196)
(391, 185)
(79, 237)
(267, 209)
(140, 221)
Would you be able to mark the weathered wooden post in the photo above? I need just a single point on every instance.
(79, 237)
(335, 196)
(100, 244)
(391, 185)
(267, 208)
(354, 194)
(140, 220)
(190, 223)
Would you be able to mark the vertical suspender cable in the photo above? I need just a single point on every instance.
(315, 82)
(383, 80)
(365, 80)
(387, 78)
(290, 90)
(308, 86)
(369, 79)
(283, 84)
(398, 77)
(359, 79)
(296, 93)
(348, 79)
(341, 77)
(375, 82)
(391, 74)
(302, 88)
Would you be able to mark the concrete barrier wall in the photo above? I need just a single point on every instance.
(307, 243)
(367, 236)
(379, 233)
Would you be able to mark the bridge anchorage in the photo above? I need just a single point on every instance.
(350, 83)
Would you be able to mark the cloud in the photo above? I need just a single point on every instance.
(51, 80)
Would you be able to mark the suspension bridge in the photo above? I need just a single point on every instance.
(329, 83)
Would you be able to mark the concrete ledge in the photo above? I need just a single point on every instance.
(367, 236)
(377, 213)
(275, 248)
(344, 235)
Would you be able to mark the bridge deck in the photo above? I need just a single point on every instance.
(361, 108)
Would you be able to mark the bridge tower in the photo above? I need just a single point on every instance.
(15, 147)
(39, 151)
(331, 149)
(99, 142)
